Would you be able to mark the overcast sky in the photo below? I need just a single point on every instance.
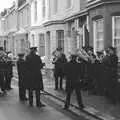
(5, 4)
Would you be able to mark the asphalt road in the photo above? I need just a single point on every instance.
(12, 109)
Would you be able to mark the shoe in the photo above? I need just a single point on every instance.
(25, 98)
(30, 104)
(40, 105)
(81, 107)
(66, 108)
(56, 89)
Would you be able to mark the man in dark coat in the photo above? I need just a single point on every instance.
(113, 75)
(2, 70)
(73, 74)
(9, 72)
(59, 62)
(21, 75)
(34, 76)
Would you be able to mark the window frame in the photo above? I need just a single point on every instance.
(61, 39)
(35, 10)
(55, 6)
(113, 32)
(43, 8)
(69, 4)
(42, 44)
(95, 40)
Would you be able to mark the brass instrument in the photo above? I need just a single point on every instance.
(56, 55)
(82, 54)
(4, 58)
(85, 56)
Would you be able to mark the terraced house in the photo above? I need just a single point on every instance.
(54, 24)
(16, 27)
(104, 24)
(49, 24)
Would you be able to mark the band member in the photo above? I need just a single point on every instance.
(73, 73)
(4, 59)
(9, 71)
(34, 76)
(106, 71)
(112, 89)
(99, 74)
(21, 75)
(59, 61)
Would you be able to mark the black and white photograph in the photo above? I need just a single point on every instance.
(60, 60)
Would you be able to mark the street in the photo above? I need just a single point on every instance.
(12, 109)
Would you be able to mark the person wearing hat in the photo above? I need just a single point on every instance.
(73, 74)
(9, 71)
(21, 75)
(34, 76)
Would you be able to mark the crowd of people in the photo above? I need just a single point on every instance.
(29, 75)
(6, 71)
(84, 70)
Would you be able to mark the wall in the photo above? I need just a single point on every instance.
(106, 11)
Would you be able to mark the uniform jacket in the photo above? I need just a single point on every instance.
(73, 73)
(34, 75)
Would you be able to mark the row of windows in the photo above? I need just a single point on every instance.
(98, 26)
(24, 17)
(44, 7)
(59, 38)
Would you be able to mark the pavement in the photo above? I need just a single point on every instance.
(95, 105)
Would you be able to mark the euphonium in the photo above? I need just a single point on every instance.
(82, 54)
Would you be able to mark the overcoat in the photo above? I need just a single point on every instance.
(33, 72)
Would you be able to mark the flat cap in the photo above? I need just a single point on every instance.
(59, 49)
(21, 54)
(33, 48)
